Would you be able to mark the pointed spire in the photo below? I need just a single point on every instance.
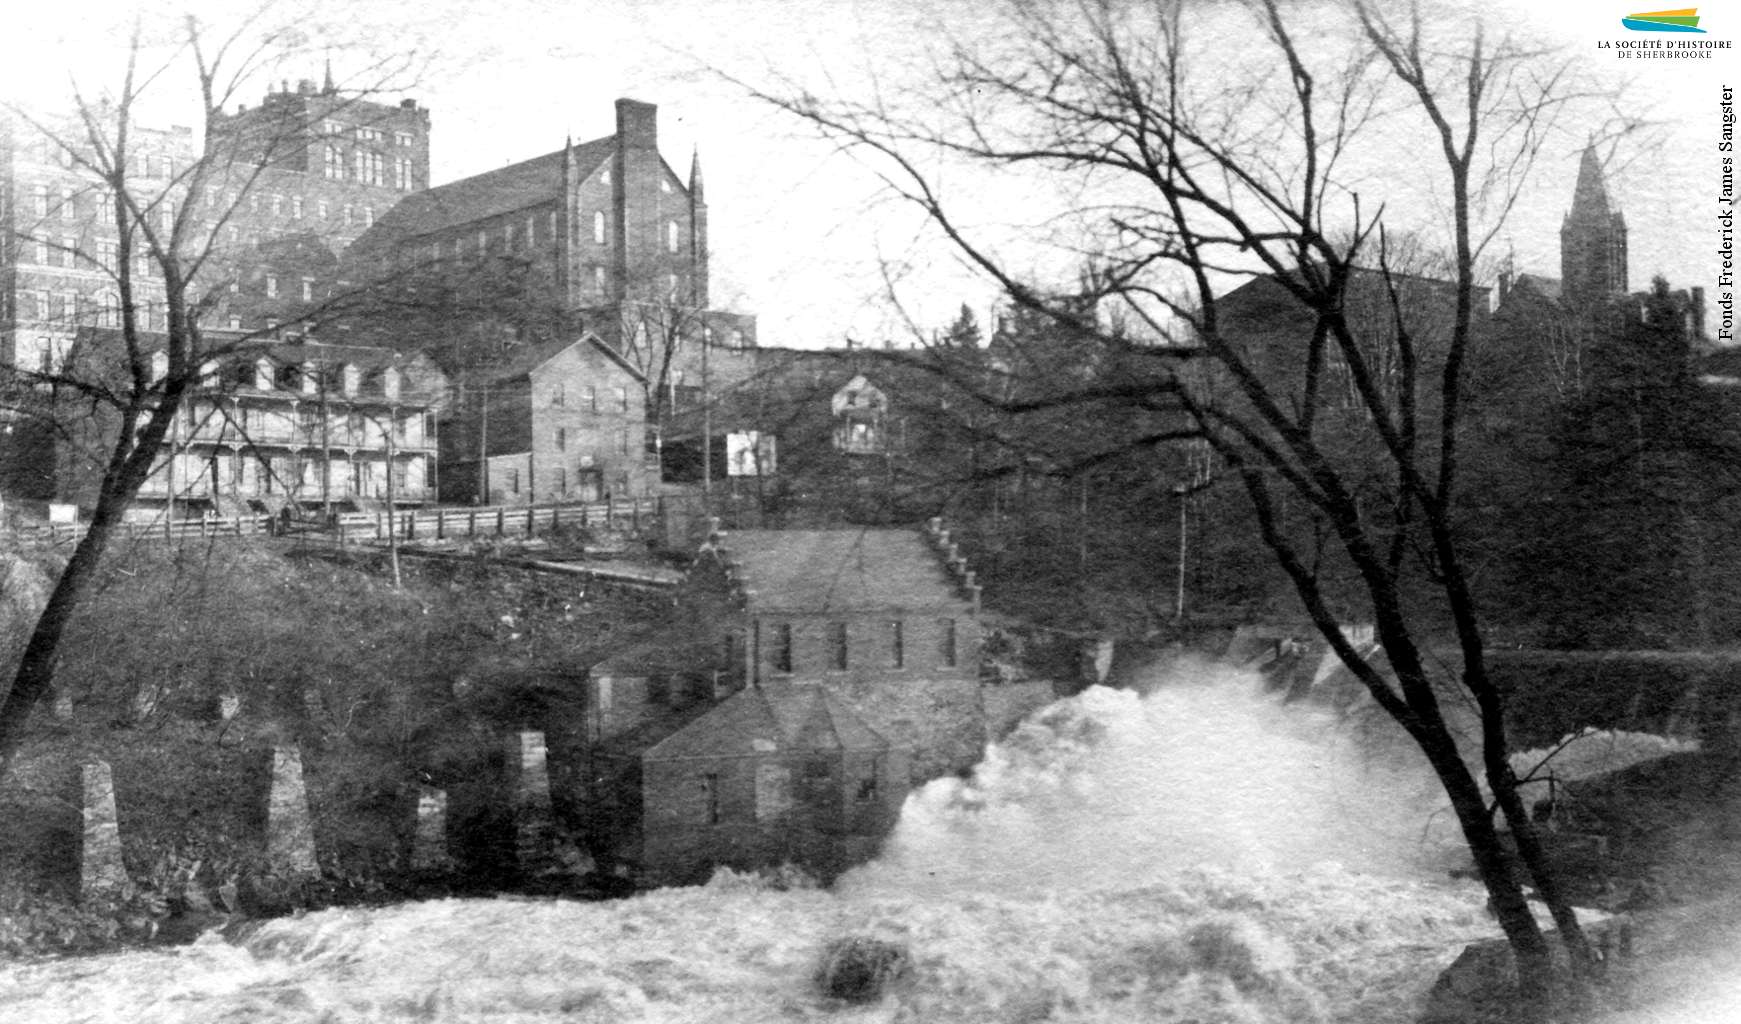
(326, 86)
(695, 174)
(1590, 198)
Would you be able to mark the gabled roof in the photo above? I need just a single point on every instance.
(525, 359)
(491, 194)
(770, 720)
(838, 571)
(1548, 287)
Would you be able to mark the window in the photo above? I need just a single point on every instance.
(623, 441)
(308, 289)
(107, 253)
(40, 244)
(671, 236)
(531, 233)
(69, 252)
(897, 645)
(623, 399)
(598, 278)
(402, 139)
(592, 398)
(277, 206)
(561, 439)
(253, 204)
(108, 309)
(710, 797)
(271, 287)
(598, 227)
(235, 323)
(665, 185)
(559, 394)
(508, 237)
(561, 481)
(323, 209)
(780, 652)
(604, 176)
(514, 480)
(39, 196)
(946, 642)
(295, 207)
(68, 303)
(346, 216)
(837, 646)
(368, 216)
(867, 782)
(69, 210)
(359, 164)
(372, 169)
(402, 173)
(332, 163)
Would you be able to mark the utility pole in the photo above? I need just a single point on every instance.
(392, 510)
(706, 430)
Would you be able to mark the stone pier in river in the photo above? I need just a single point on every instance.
(529, 793)
(101, 872)
(289, 828)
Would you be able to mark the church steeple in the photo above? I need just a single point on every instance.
(1592, 240)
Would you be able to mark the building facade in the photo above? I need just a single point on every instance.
(58, 240)
(301, 426)
(549, 423)
(815, 676)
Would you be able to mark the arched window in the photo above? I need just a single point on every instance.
(598, 227)
(671, 235)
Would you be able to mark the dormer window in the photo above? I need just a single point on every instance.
(208, 374)
(351, 377)
(159, 366)
(390, 384)
(310, 378)
(263, 374)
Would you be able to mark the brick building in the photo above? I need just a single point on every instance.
(299, 178)
(552, 422)
(58, 242)
(813, 677)
(601, 238)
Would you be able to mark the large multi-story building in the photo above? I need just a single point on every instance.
(297, 179)
(58, 240)
(601, 239)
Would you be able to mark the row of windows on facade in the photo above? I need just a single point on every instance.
(363, 133)
(247, 471)
(308, 425)
(624, 438)
(890, 647)
(513, 238)
(70, 310)
(773, 788)
(586, 481)
(294, 207)
(307, 378)
(588, 396)
(366, 168)
(48, 152)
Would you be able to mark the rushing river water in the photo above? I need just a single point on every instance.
(1196, 854)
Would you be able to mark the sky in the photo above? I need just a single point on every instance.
(802, 234)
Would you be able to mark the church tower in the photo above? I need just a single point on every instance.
(1592, 241)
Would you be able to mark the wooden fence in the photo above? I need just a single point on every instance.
(410, 524)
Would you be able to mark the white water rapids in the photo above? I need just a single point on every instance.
(1199, 854)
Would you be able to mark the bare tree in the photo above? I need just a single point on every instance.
(1287, 164)
(163, 237)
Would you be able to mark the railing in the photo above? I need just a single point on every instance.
(497, 520)
(365, 527)
(54, 534)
